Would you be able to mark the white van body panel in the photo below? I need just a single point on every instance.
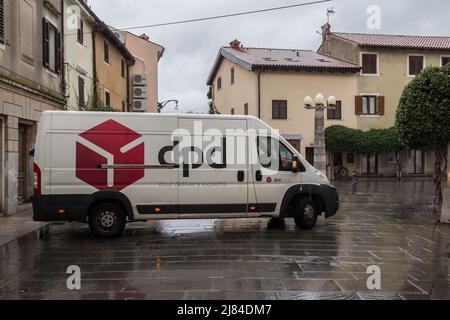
(82, 156)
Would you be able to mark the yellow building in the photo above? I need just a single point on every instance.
(111, 68)
(388, 63)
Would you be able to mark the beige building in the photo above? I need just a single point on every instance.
(366, 73)
(388, 63)
(144, 73)
(272, 83)
(31, 81)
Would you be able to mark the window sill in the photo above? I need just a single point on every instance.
(375, 116)
(81, 45)
(51, 73)
(370, 74)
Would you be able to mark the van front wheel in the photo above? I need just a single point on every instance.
(306, 214)
(107, 220)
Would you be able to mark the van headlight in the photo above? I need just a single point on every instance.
(322, 177)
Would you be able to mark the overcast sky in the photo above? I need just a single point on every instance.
(192, 48)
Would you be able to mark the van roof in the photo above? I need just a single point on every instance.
(149, 115)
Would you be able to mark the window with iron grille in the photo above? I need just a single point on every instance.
(279, 110)
(2, 22)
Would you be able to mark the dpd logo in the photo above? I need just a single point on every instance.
(113, 145)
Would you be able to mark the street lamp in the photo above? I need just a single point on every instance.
(320, 156)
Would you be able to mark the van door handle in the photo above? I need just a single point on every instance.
(241, 176)
(259, 176)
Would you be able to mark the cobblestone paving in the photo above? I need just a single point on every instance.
(383, 223)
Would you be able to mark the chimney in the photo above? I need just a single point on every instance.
(326, 31)
(235, 44)
(144, 36)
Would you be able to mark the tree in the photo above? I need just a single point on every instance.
(423, 119)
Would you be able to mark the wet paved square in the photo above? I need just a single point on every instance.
(382, 223)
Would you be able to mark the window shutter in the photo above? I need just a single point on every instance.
(381, 106)
(81, 32)
(338, 111)
(81, 97)
(2, 23)
(58, 53)
(358, 105)
(45, 43)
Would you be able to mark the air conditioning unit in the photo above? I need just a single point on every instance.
(139, 80)
(140, 92)
(139, 105)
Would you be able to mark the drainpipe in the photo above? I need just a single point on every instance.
(259, 92)
(94, 66)
(63, 55)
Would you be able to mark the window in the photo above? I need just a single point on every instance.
(445, 60)
(122, 68)
(123, 106)
(52, 57)
(415, 65)
(106, 52)
(370, 63)
(232, 75)
(219, 83)
(81, 90)
(350, 158)
(80, 31)
(369, 164)
(246, 109)
(279, 110)
(335, 114)
(232, 111)
(369, 105)
(274, 155)
(2, 23)
(107, 99)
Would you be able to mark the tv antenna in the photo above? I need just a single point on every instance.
(330, 12)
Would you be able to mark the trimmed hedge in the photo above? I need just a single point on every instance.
(372, 142)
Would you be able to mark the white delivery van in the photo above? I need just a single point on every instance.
(110, 168)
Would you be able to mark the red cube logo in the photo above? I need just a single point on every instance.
(116, 146)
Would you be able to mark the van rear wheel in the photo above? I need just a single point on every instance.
(107, 220)
(306, 214)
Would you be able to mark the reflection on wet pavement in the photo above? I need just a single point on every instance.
(383, 223)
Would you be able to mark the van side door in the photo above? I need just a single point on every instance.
(214, 171)
(273, 174)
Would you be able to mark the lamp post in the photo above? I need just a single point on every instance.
(320, 156)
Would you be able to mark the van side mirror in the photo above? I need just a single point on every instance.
(297, 165)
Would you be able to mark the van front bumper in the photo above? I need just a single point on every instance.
(330, 198)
